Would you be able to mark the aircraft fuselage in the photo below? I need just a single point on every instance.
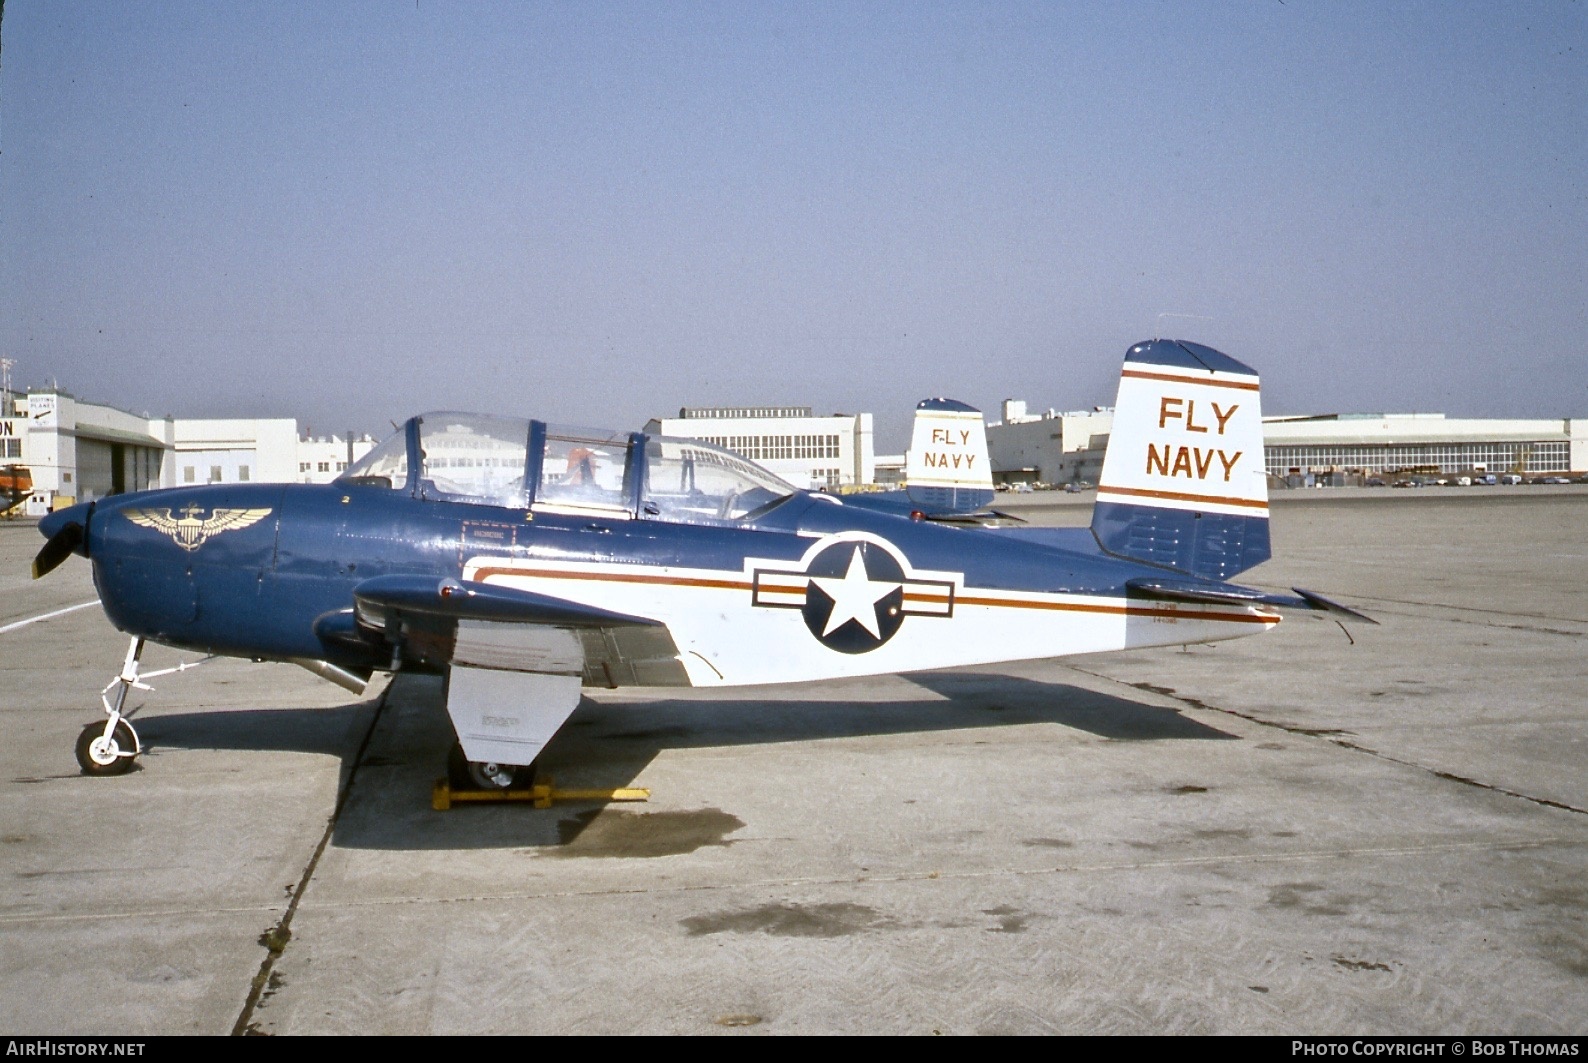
(813, 588)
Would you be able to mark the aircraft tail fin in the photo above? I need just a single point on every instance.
(1183, 482)
(947, 471)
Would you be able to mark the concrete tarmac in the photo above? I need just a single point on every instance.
(1380, 830)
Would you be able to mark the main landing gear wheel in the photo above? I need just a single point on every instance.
(465, 774)
(98, 755)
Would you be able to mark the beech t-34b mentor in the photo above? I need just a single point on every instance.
(524, 561)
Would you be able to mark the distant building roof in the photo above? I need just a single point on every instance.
(703, 413)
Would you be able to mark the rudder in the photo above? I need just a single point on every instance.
(1183, 482)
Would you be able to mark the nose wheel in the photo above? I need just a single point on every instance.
(107, 748)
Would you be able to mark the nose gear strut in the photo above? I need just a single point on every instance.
(109, 748)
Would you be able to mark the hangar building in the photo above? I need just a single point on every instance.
(1329, 448)
(806, 450)
(1051, 447)
(1371, 443)
(76, 451)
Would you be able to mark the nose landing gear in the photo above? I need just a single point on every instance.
(109, 748)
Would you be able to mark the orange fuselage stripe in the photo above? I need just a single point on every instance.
(1126, 610)
(617, 577)
(743, 585)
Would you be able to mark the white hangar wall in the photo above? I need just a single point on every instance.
(806, 450)
(1067, 447)
(77, 451)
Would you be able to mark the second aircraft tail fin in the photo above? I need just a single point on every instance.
(947, 471)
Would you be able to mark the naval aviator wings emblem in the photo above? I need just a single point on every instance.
(188, 531)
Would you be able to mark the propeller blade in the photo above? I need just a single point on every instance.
(61, 546)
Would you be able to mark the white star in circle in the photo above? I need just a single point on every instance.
(855, 597)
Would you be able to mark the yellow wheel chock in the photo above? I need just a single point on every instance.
(542, 795)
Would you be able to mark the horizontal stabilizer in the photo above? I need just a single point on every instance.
(1318, 601)
(1188, 591)
(1173, 590)
(981, 518)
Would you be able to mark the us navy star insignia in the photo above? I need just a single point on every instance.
(855, 597)
(854, 591)
(188, 531)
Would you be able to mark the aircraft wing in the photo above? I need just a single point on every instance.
(479, 625)
(515, 661)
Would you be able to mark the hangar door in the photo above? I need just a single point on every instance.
(95, 478)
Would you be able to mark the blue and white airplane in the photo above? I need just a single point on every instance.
(524, 561)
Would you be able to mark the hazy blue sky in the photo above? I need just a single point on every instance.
(598, 212)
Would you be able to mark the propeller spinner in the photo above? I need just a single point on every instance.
(68, 534)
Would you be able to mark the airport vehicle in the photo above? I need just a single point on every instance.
(16, 484)
(525, 561)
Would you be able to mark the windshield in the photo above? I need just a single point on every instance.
(385, 466)
(690, 481)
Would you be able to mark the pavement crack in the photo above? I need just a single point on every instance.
(1335, 737)
(276, 938)
(1001, 871)
(1463, 779)
(1376, 602)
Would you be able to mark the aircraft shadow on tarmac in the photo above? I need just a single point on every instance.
(331, 731)
(609, 745)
